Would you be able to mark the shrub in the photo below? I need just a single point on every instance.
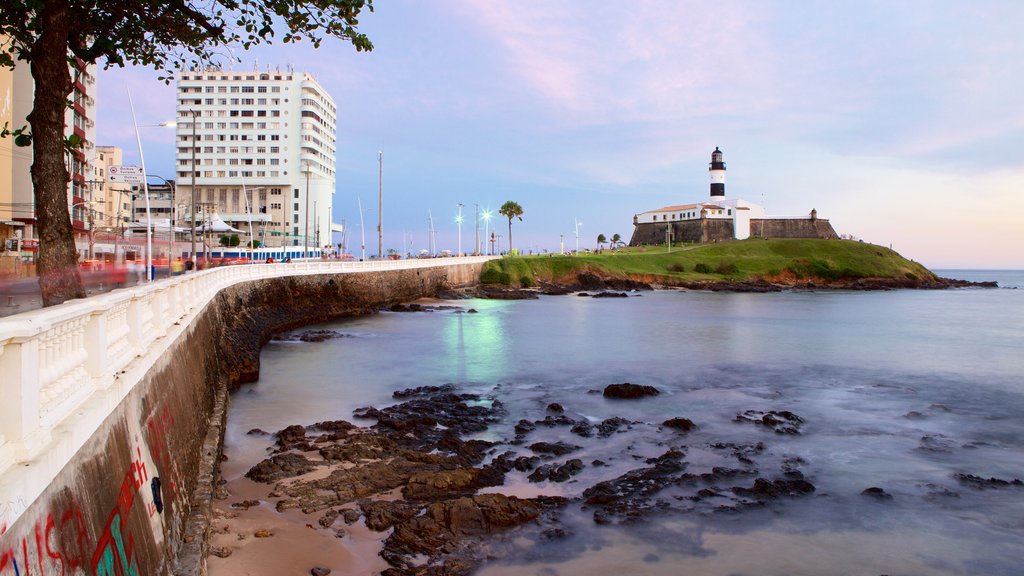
(675, 267)
(525, 281)
(494, 276)
(726, 268)
(702, 268)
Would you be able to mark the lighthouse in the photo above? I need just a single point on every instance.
(717, 170)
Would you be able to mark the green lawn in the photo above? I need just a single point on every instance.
(793, 259)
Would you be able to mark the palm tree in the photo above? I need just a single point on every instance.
(616, 240)
(511, 210)
(600, 240)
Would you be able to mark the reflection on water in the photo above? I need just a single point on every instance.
(899, 390)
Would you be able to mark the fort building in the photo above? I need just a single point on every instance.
(722, 218)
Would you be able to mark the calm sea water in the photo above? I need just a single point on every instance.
(900, 390)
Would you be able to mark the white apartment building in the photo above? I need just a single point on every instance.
(271, 134)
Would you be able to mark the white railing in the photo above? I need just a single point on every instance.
(55, 362)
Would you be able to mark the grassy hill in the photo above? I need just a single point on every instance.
(779, 261)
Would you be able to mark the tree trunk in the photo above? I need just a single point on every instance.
(57, 264)
(509, 235)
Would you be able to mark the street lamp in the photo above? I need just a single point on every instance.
(578, 225)
(487, 221)
(459, 220)
(195, 114)
(380, 204)
(305, 229)
(145, 188)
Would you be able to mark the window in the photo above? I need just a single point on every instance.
(296, 194)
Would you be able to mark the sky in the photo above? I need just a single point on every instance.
(900, 122)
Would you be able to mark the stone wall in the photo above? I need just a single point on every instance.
(133, 499)
(718, 230)
(792, 228)
(704, 230)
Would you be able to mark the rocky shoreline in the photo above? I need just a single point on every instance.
(420, 476)
(612, 286)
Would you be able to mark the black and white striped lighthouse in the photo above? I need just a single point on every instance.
(717, 170)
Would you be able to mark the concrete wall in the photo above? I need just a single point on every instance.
(100, 514)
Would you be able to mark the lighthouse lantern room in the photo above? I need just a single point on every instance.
(717, 170)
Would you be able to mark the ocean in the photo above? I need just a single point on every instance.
(918, 395)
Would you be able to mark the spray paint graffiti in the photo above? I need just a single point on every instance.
(114, 556)
(159, 428)
(59, 543)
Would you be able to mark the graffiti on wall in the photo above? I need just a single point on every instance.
(59, 542)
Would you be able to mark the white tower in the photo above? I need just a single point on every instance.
(717, 170)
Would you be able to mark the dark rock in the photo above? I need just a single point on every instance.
(610, 426)
(328, 518)
(524, 427)
(781, 421)
(499, 293)
(583, 295)
(335, 426)
(684, 424)
(221, 551)
(280, 466)
(258, 432)
(422, 391)
(290, 436)
(350, 516)
(876, 493)
(554, 448)
(443, 484)
(611, 295)
(553, 421)
(628, 390)
(382, 514)
(556, 407)
(583, 428)
(245, 504)
(598, 463)
(320, 571)
(471, 311)
(980, 483)
(309, 336)
(556, 472)
(588, 281)
(763, 488)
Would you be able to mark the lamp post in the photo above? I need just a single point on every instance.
(578, 224)
(380, 204)
(145, 187)
(362, 230)
(459, 220)
(561, 244)
(487, 221)
(170, 220)
(305, 229)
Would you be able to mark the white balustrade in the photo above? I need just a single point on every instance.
(54, 360)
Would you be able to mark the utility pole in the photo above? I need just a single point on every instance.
(305, 228)
(380, 204)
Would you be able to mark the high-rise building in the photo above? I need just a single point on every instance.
(260, 147)
(17, 197)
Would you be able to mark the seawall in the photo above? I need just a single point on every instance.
(132, 498)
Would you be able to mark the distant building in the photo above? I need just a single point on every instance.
(112, 201)
(270, 133)
(722, 218)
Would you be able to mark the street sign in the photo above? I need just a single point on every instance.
(125, 174)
